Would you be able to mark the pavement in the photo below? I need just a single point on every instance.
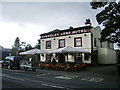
(101, 71)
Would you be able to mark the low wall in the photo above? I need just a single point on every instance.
(106, 56)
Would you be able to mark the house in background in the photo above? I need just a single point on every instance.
(4, 52)
(85, 38)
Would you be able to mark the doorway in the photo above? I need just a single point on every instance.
(61, 58)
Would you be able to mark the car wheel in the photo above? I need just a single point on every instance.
(25, 68)
(2, 66)
(18, 68)
(34, 69)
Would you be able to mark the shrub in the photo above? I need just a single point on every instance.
(64, 67)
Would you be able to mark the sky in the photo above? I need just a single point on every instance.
(27, 20)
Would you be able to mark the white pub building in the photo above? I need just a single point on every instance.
(85, 38)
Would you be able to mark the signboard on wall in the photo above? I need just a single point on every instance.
(65, 33)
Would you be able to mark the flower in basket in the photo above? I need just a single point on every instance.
(69, 67)
(77, 67)
(84, 66)
(42, 66)
(49, 66)
(58, 67)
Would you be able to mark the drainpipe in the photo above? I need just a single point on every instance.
(91, 47)
(91, 41)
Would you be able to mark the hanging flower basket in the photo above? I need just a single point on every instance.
(64, 67)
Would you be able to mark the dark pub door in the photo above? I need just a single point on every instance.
(61, 58)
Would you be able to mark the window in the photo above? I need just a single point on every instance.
(48, 58)
(78, 42)
(86, 56)
(48, 44)
(78, 58)
(61, 43)
(95, 42)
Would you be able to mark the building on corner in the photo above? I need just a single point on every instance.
(85, 38)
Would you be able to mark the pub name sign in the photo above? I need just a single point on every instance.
(65, 33)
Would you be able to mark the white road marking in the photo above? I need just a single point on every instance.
(55, 86)
(43, 74)
(63, 77)
(66, 77)
(91, 79)
(14, 70)
(12, 77)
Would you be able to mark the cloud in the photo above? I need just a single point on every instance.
(29, 33)
(46, 13)
(27, 20)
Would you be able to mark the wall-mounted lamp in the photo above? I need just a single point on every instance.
(54, 39)
(69, 36)
(85, 35)
(99, 38)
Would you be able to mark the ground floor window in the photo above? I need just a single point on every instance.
(86, 56)
(48, 57)
(78, 58)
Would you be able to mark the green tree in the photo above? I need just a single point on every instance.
(18, 47)
(28, 47)
(13, 51)
(109, 17)
(38, 44)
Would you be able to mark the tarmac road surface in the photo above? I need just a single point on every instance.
(93, 77)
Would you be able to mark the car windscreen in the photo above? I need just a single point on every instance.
(9, 58)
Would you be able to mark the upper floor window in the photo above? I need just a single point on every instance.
(61, 43)
(78, 42)
(95, 42)
(48, 44)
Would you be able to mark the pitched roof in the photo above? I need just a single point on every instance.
(65, 30)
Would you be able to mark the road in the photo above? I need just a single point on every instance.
(57, 79)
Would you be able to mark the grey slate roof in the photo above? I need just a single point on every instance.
(65, 30)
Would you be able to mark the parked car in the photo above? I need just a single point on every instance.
(1, 63)
(28, 65)
(12, 62)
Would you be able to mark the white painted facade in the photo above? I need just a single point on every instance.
(68, 42)
(100, 53)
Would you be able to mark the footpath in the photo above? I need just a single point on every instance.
(103, 71)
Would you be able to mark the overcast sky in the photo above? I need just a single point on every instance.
(27, 20)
